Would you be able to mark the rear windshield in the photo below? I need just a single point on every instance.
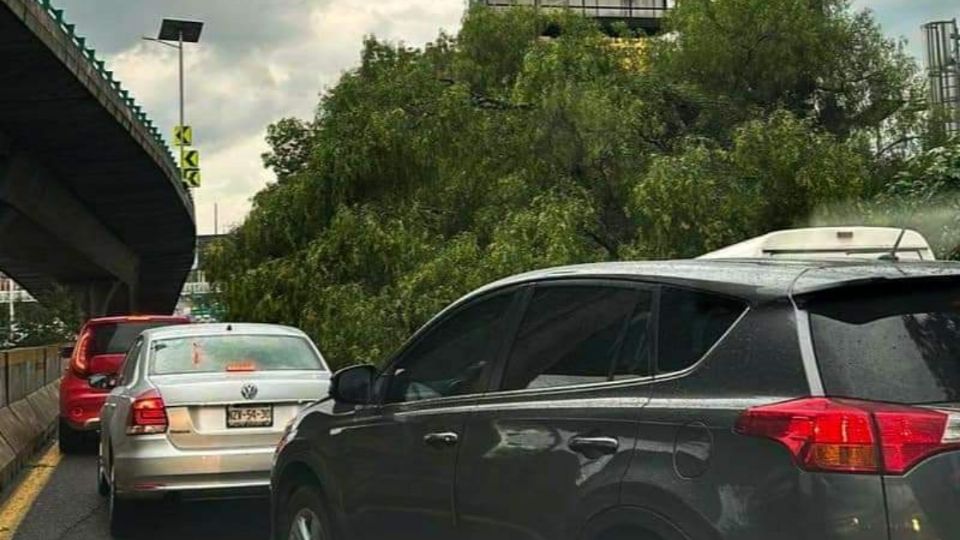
(218, 354)
(116, 338)
(891, 345)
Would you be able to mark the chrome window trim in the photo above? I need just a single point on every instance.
(640, 381)
(808, 353)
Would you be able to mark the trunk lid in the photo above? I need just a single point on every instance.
(198, 404)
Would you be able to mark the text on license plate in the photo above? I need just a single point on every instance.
(248, 416)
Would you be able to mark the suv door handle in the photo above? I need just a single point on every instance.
(594, 447)
(439, 440)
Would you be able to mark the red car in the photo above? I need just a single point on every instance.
(98, 354)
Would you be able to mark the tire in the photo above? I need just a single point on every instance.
(69, 440)
(103, 485)
(123, 512)
(304, 516)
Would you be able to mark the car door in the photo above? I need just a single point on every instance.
(550, 446)
(397, 459)
(110, 417)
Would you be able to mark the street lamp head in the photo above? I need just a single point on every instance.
(177, 30)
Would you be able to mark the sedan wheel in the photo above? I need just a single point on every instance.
(122, 512)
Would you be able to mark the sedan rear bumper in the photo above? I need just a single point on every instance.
(150, 465)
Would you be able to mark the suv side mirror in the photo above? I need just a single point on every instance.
(104, 382)
(354, 385)
(67, 351)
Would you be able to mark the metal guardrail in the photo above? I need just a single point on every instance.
(18, 296)
(601, 9)
(199, 287)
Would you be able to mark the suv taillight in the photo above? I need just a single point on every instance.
(148, 414)
(80, 360)
(851, 436)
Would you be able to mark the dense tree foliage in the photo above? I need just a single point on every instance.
(53, 320)
(428, 172)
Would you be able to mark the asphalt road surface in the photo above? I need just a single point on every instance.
(65, 505)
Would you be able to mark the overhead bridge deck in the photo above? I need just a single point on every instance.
(90, 196)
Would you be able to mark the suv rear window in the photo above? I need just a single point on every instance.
(890, 344)
(117, 338)
(219, 354)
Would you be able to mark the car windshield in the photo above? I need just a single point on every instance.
(219, 354)
(116, 338)
(898, 346)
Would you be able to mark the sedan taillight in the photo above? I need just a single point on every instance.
(148, 414)
(851, 436)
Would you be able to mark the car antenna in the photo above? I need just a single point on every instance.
(892, 256)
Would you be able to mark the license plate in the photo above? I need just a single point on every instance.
(247, 416)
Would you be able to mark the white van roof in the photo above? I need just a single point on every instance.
(831, 243)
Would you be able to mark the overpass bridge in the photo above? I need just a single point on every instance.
(90, 196)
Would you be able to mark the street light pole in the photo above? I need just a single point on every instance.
(174, 33)
(182, 114)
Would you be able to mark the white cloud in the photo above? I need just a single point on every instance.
(261, 60)
(252, 67)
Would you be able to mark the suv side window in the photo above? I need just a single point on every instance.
(130, 363)
(455, 357)
(585, 334)
(690, 324)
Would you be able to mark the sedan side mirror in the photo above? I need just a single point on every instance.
(354, 385)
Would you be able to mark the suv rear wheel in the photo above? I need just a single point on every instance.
(69, 439)
(304, 516)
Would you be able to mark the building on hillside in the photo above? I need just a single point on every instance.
(12, 293)
(942, 48)
(645, 15)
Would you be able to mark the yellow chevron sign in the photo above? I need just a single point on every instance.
(192, 177)
(182, 136)
(191, 159)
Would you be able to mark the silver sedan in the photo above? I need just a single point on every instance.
(199, 409)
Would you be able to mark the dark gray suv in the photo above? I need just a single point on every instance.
(694, 400)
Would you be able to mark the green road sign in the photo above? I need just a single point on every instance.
(192, 177)
(191, 159)
(183, 136)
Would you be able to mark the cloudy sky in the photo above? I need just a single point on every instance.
(261, 60)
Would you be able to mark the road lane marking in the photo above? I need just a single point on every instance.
(23, 497)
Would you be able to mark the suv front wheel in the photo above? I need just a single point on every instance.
(304, 517)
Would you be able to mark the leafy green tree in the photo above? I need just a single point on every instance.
(429, 172)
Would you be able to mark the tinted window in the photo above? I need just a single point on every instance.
(576, 335)
(117, 338)
(690, 324)
(890, 346)
(636, 355)
(454, 357)
(219, 354)
(130, 363)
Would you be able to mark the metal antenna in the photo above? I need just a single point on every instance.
(892, 256)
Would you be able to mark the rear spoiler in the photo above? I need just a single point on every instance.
(872, 297)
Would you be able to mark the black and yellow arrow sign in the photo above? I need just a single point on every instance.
(182, 136)
(192, 177)
(191, 159)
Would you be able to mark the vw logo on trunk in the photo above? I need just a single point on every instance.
(249, 391)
